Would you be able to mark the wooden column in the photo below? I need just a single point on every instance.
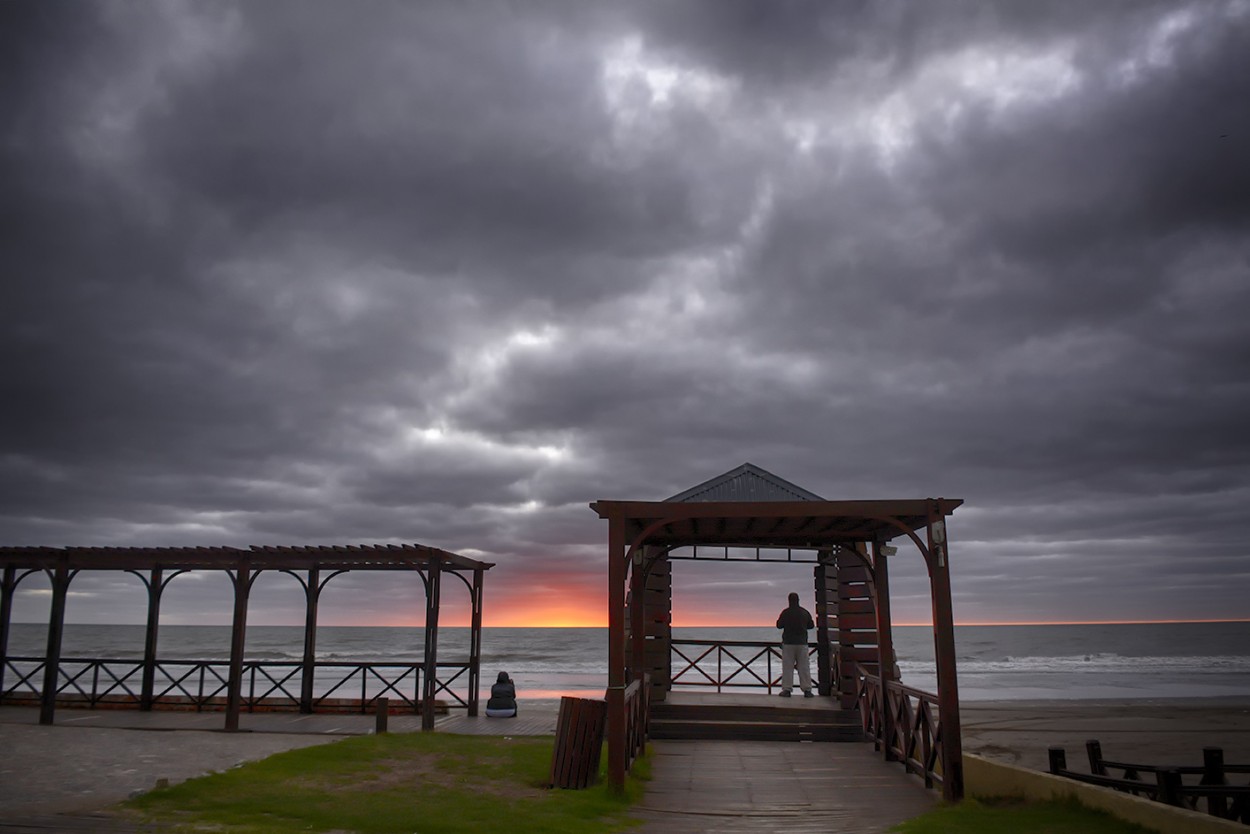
(617, 754)
(885, 645)
(242, 578)
(155, 588)
(430, 684)
(857, 622)
(825, 575)
(56, 629)
(475, 641)
(637, 628)
(657, 615)
(7, 588)
(308, 668)
(944, 652)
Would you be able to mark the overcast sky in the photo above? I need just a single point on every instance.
(332, 272)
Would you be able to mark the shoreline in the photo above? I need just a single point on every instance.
(1142, 730)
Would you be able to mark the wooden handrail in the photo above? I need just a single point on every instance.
(739, 672)
(914, 735)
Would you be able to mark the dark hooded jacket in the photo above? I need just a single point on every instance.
(502, 694)
(794, 623)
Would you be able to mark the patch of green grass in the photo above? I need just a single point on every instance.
(1018, 816)
(426, 782)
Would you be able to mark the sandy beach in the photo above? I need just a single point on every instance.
(1148, 731)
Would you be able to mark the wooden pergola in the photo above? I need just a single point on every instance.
(848, 543)
(311, 566)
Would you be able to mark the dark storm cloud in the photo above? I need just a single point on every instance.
(336, 272)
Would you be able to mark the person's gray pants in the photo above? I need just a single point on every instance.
(791, 656)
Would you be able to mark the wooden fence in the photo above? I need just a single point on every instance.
(903, 722)
(201, 684)
(723, 664)
(1211, 792)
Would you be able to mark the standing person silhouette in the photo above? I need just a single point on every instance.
(794, 623)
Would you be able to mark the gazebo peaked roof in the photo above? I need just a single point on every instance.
(746, 483)
(795, 523)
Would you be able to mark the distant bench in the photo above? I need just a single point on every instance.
(1223, 800)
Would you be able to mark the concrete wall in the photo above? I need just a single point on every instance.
(986, 778)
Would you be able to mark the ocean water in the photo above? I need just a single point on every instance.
(1114, 662)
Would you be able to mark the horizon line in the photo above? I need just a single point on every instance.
(698, 625)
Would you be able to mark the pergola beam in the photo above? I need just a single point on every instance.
(242, 565)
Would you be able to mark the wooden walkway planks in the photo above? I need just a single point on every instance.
(757, 786)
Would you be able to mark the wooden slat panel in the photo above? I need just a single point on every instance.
(853, 573)
(857, 638)
(579, 742)
(861, 621)
(863, 655)
(863, 605)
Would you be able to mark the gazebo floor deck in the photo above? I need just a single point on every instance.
(754, 786)
(686, 697)
(753, 716)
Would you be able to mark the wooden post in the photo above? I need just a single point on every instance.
(824, 646)
(885, 646)
(7, 588)
(1213, 774)
(381, 715)
(944, 654)
(1093, 750)
(657, 615)
(430, 687)
(242, 578)
(155, 589)
(637, 628)
(308, 671)
(617, 754)
(1058, 759)
(56, 629)
(475, 642)
(1169, 782)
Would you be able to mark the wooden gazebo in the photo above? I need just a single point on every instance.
(311, 566)
(849, 545)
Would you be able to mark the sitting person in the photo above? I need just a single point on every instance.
(502, 703)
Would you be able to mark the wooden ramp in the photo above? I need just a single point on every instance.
(752, 716)
(762, 786)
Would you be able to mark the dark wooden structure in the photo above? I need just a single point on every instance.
(848, 543)
(1167, 783)
(311, 566)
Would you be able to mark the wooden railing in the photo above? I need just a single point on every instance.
(203, 684)
(637, 719)
(903, 722)
(1211, 793)
(722, 664)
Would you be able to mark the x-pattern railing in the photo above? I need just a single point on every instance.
(94, 694)
(914, 735)
(25, 679)
(277, 684)
(177, 682)
(734, 667)
(201, 682)
(444, 686)
(368, 673)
